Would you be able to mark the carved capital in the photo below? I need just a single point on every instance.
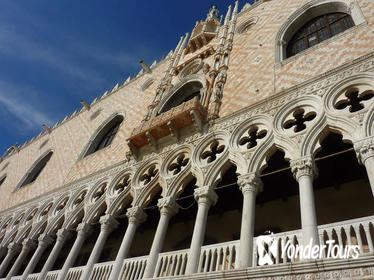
(83, 229)
(205, 195)
(44, 240)
(303, 167)
(364, 150)
(62, 234)
(168, 206)
(108, 223)
(14, 247)
(250, 183)
(136, 215)
(28, 244)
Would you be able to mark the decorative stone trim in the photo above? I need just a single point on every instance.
(250, 183)
(303, 167)
(136, 215)
(168, 206)
(205, 195)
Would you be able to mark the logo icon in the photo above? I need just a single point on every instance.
(267, 249)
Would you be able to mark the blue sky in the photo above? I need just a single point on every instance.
(55, 53)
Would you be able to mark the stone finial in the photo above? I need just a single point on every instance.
(303, 167)
(146, 67)
(46, 128)
(168, 206)
(213, 13)
(85, 105)
(205, 195)
(250, 183)
(136, 215)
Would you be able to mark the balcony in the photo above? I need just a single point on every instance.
(218, 261)
(169, 123)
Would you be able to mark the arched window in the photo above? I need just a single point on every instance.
(184, 94)
(105, 136)
(35, 170)
(2, 179)
(317, 30)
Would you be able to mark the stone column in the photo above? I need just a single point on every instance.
(62, 235)
(27, 246)
(44, 241)
(168, 208)
(108, 223)
(13, 249)
(304, 171)
(250, 185)
(2, 252)
(136, 216)
(365, 155)
(205, 197)
(83, 230)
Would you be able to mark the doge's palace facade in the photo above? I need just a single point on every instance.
(260, 120)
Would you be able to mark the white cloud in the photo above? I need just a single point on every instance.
(14, 103)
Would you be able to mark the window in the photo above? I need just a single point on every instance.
(2, 179)
(105, 136)
(35, 170)
(317, 30)
(184, 94)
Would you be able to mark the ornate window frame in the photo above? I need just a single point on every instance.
(99, 133)
(32, 169)
(306, 13)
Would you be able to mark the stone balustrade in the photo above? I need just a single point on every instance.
(223, 257)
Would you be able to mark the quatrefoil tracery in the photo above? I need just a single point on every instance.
(213, 151)
(122, 185)
(149, 175)
(99, 192)
(62, 205)
(354, 100)
(252, 138)
(80, 198)
(299, 120)
(178, 164)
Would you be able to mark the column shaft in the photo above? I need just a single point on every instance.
(33, 262)
(369, 166)
(308, 211)
(205, 198)
(5, 263)
(27, 246)
(168, 208)
(73, 254)
(136, 216)
(157, 245)
(247, 229)
(60, 241)
(107, 225)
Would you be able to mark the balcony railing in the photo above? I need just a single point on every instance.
(224, 256)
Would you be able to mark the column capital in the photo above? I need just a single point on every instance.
(205, 195)
(364, 149)
(44, 240)
(62, 234)
(108, 223)
(304, 166)
(14, 247)
(83, 229)
(250, 182)
(28, 244)
(168, 206)
(136, 215)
